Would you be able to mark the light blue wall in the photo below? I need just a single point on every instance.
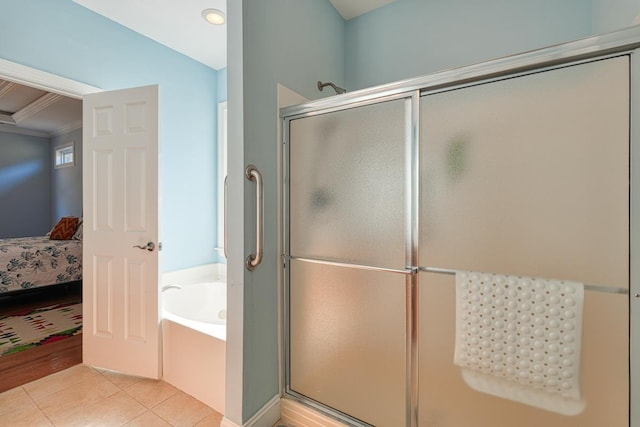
(66, 183)
(25, 192)
(611, 15)
(68, 40)
(295, 43)
(412, 38)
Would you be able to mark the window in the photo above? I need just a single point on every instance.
(222, 171)
(64, 156)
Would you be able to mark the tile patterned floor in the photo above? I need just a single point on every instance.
(85, 396)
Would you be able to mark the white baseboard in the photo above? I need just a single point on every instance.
(289, 413)
(267, 416)
(226, 423)
(294, 413)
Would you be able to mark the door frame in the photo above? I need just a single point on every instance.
(43, 80)
(39, 79)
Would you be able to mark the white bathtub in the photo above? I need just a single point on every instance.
(200, 306)
(194, 334)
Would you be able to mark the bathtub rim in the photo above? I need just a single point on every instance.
(215, 272)
(179, 308)
(212, 329)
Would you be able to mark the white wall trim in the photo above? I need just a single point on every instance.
(6, 87)
(33, 77)
(267, 416)
(21, 131)
(75, 125)
(222, 175)
(60, 131)
(36, 106)
(227, 423)
(299, 415)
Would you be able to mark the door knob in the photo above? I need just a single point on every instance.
(149, 246)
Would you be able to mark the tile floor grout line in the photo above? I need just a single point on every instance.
(37, 406)
(121, 387)
(174, 394)
(118, 384)
(161, 417)
(154, 406)
(195, 423)
(67, 405)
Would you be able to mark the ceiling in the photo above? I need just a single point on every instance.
(180, 26)
(350, 9)
(35, 112)
(175, 24)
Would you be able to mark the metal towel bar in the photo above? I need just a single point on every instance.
(594, 288)
(407, 270)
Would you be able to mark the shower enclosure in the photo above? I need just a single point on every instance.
(522, 166)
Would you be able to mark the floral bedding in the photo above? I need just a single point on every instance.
(30, 262)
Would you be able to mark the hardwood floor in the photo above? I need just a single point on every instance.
(28, 365)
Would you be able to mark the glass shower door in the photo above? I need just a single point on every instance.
(346, 279)
(527, 176)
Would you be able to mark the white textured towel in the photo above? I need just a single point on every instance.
(519, 338)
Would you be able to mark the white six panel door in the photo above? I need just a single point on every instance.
(121, 227)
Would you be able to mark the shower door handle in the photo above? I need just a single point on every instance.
(253, 174)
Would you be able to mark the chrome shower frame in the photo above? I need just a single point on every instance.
(619, 43)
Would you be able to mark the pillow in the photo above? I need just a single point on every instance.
(78, 234)
(65, 228)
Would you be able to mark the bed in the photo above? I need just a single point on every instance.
(32, 262)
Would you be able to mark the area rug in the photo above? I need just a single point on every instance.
(39, 327)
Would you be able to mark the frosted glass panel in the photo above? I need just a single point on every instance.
(347, 185)
(347, 340)
(447, 401)
(527, 176)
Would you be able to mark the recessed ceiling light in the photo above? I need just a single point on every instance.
(213, 16)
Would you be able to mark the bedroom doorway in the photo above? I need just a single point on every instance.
(47, 113)
(136, 294)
